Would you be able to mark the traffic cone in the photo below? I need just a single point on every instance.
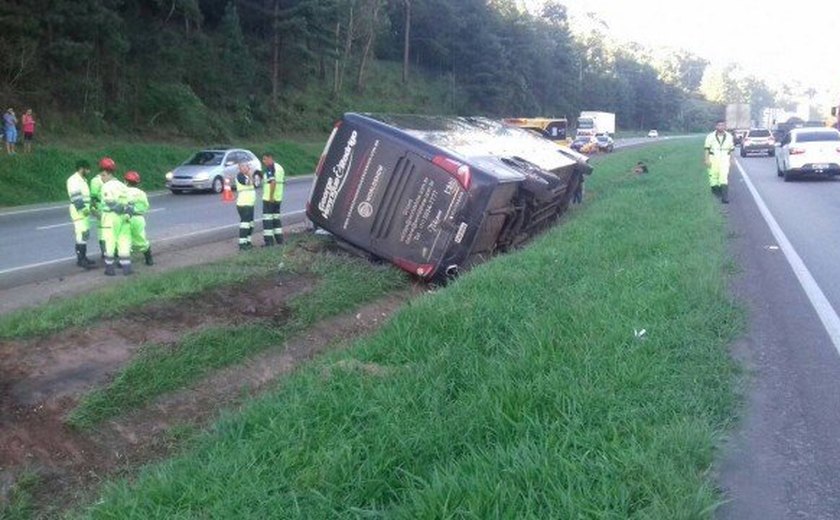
(227, 193)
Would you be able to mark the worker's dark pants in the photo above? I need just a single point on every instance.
(246, 225)
(272, 227)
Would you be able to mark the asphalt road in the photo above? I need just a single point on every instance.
(38, 241)
(784, 460)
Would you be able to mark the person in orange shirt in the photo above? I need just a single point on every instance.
(28, 127)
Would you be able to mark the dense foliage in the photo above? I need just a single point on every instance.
(216, 68)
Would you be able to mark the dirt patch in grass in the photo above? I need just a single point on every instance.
(41, 381)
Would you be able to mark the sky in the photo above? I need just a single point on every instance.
(773, 40)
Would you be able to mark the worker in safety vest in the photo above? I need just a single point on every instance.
(138, 206)
(79, 193)
(274, 180)
(246, 197)
(718, 157)
(115, 225)
(105, 164)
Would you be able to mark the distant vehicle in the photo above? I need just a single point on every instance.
(738, 120)
(591, 123)
(758, 140)
(807, 151)
(584, 144)
(435, 195)
(605, 143)
(553, 129)
(653, 133)
(208, 169)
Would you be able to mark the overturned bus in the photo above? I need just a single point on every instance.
(435, 195)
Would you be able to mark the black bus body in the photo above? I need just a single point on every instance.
(435, 195)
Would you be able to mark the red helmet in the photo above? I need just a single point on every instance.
(132, 177)
(106, 163)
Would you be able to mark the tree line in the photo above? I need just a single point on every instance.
(216, 68)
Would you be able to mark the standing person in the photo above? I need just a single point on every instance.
(115, 224)
(28, 127)
(10, 130)
(717, 156)
(106, 165)
(138, 206)
(246, 197)
(79, 193)
(274, 181)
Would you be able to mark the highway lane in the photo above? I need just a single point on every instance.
(784, 459)
(42, 237)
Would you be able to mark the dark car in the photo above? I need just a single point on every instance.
(758, 140)
(434, 195)
(580, 142)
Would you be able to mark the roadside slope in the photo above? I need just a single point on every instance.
(586, 375)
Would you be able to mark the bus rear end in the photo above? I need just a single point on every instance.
(395, 197)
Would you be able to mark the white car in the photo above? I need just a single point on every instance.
(208, 169)
(653, 133)
(809, 151)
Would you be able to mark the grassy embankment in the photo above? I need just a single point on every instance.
(523, 390)
(116, 300)
(41, 175)
(163, 368)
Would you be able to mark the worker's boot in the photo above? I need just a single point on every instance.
(102, 249)
(127, 269)
(716, 191)
(724, 193)
(148, 256)
(109, 267)
(83, 260)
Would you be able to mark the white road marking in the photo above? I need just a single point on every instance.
(52, 226)
(39, 264)
(167, 239)
(827, 314)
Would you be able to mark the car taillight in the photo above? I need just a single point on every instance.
(326, 148)
(797, 151)
(460, 171)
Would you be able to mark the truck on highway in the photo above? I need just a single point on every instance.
(591, 123)
(738, 120)
(435, 195)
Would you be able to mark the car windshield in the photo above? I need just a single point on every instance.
(759, 133)
(206, 159)
(603, 138)
(811, 137)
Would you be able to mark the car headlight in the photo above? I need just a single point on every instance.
(203, 176)
(168, 176)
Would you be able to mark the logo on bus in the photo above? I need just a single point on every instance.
(365, 209)
(339, 176)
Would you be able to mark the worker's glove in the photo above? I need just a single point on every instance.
(118, 208)
(79, 204)
(129, 210)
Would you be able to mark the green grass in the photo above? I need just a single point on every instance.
(116, 300)
(41, 175)
(19, 504)
(520, 391)
(163, 368)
